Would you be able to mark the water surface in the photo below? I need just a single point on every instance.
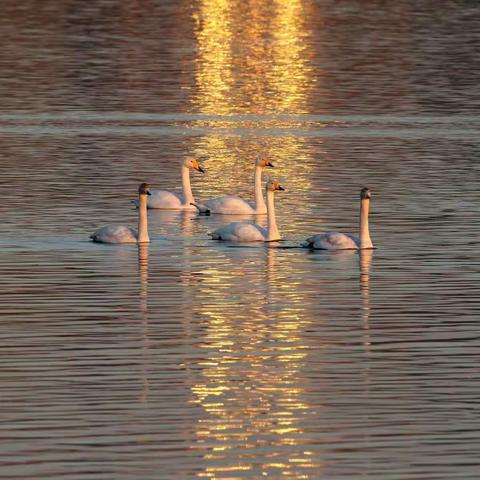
(187, 358)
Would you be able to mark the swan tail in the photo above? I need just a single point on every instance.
(202, 209)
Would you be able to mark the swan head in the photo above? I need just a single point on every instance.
(365, 194)
(144, 189)
(263, 162)
(193, 164)
(274, 186)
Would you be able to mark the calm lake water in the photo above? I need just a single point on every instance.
(188, 358)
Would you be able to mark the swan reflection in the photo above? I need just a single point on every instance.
(145, 358)
(365, 257)
(143, 274)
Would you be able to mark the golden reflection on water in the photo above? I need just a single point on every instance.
(252, 58)
(250, 385)
(214, 40)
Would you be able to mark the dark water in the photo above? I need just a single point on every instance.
(187, 358)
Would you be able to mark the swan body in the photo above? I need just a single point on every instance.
(240, 232)
(251, 232)
(115, 234)
(230, 205)
(122, 234)
(165, 200)
(344, 241)
(234, 205)
(332, 241)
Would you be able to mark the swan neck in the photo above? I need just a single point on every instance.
(272, 230)
(260, 206)
(142, 220)
(365, 241)
(187, 189)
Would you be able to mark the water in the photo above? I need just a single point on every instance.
(187, 358)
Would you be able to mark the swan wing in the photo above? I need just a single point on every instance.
(165, 200)
(240, 232)
(332, 241)
(230, 205)
(115, 234)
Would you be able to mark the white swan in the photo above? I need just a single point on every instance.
(175, 201)
(122, 234)
(233, 205)
(344, 241)
(251, 232)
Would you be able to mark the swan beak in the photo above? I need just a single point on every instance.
(200, 169)
(280, 188)
(148, 192)
(269, 164)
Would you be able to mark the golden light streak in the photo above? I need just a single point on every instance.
(249, 388)
(252, 66)
(253, 58)
(214, 43)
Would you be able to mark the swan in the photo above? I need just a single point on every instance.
(122, 234)
(174, 201)
(233, 205)
(251, 232)
(345, 241)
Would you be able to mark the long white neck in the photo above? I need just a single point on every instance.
(365, 241)
(142, 220)
(187, 189)
(272, 230)
(260, 206)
